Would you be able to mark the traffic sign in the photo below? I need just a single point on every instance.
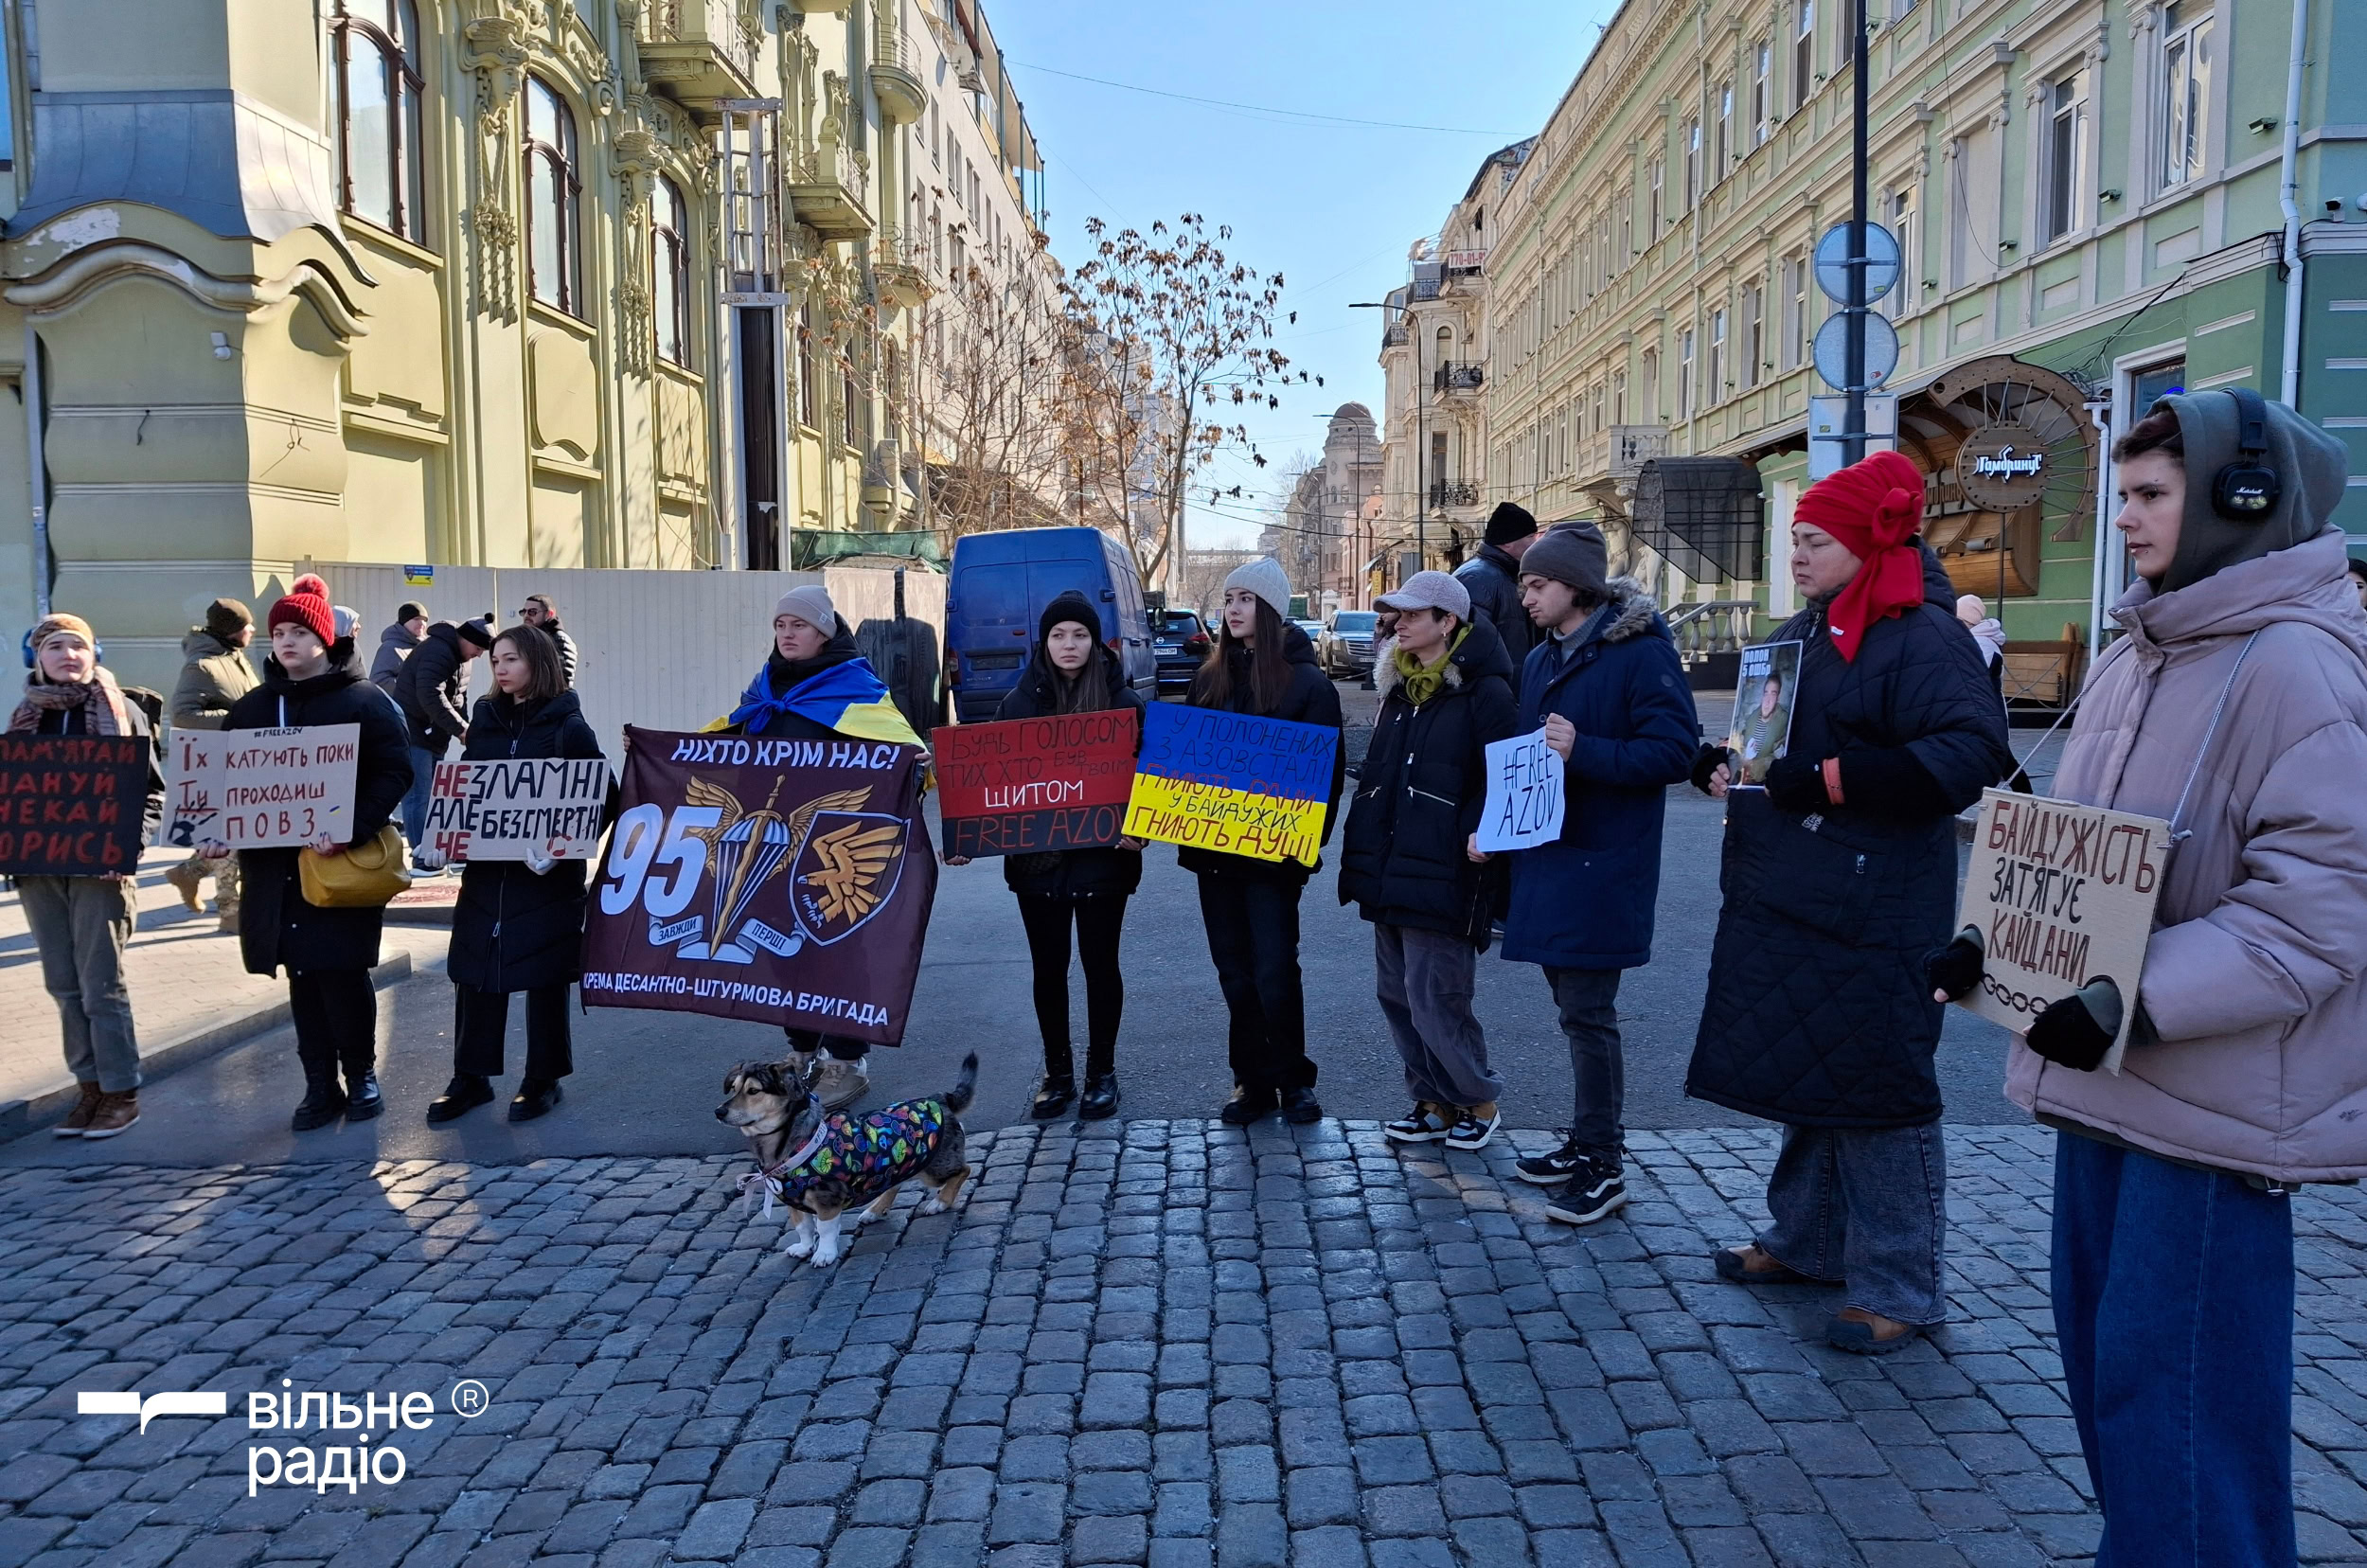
(1832, 262)
(1828, 426)
(1831, 353)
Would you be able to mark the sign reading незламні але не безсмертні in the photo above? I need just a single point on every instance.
(516, 809)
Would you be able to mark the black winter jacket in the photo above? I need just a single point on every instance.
(395, 647)
(1070, 872)
(1310, 700)
(1493, 580)
(1818, 1012)
(1421, 792)
(432, 686)
(276, 927)
(514, 930)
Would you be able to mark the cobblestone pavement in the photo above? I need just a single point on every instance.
(1160, 1342)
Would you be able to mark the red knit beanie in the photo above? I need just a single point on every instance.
(306, 604)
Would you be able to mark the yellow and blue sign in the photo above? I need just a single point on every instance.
(1234, 782)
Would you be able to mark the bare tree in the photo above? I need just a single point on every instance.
(991, 352)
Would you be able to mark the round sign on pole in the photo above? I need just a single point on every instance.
(1832, 350)
(1881, 262)
(2002, 466)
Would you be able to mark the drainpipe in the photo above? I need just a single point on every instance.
(2288, 197)
(36, 470)
(2100, 415)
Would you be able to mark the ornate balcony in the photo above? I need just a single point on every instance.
(1453, 377)
(903, 97)
(901, 268)
(825, 191)
(1453, 492)
(697, 54)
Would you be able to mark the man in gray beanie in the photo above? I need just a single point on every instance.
(1492, 578)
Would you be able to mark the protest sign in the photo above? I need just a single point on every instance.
(1763, 702)
(259, 789)
(784, 881)
(1525, 794)
(1209, 780)
(2062, 894)
(513, 809)
(1030, 786)
(72, 805)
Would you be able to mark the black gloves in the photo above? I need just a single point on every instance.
(1956, 968)
(1707, 762)
(2076, 1031)
(1890, 781)
(1796, 784)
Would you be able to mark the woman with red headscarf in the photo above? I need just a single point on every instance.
(1840, 876)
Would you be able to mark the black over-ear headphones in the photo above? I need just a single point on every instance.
(2247, 490)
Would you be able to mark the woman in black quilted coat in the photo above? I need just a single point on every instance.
(1840, 876)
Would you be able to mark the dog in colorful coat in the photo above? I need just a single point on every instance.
(822, 1163)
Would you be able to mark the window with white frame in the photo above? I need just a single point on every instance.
(2185, 112)
(1713, 385)
(670, 271)
(1648, 382)
(1762, 89)
(1725, 141)
(379, 152)
(1618, 396)
(552, 192)
(1753, 346)
(1906, 295)
(1693, 163)
(1795, 323)
(1685, 374)
(1802, 50)
(1655, 182)
(2062, 197)
(1625, 248)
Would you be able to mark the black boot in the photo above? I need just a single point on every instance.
(464, 1094)
(363, 1102)
(324, 1102)
(535, 1098)
(1059, 1082)
(1101, 1096)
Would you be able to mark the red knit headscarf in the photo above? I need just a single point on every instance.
(1872, 507)
(306, 604)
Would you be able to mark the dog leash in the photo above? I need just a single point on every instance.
(769, 1179)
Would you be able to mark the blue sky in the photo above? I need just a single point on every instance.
(1332, 208)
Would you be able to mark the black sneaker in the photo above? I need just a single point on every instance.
(1471, 1132)
(1594, 1193)
(1555, 1166)
(1425, 1123)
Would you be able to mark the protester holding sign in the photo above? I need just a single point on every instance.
(1263, 665)
(1839, 876)
(314, 678)
(214, 674)
(519, 925)
(2235, 709)
(82, 923)
(1605, 684)
(1446, 692)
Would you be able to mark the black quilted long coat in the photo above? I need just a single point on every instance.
(1818, 1014)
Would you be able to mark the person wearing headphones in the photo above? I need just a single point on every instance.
(2234, 709)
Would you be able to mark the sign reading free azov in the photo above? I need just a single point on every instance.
(2062, 894)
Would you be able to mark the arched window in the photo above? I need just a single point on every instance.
(670, 271)
(551, 192)
(377, 44)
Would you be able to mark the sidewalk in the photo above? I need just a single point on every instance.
(1160, 1342)
(189, 993)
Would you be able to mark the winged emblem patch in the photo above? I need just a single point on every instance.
(846, 869)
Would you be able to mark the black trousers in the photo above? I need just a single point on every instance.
(481, 1018)
(1254, 937)
(335, 1013)
(839, 1046)
(1099, 919)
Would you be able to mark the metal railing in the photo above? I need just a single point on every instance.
(1718, 626)
(1454, 492)
(1621, 451)
(1465, 377)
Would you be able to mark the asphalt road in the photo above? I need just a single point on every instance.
(646, 1083)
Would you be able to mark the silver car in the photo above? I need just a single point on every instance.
(1344, 649)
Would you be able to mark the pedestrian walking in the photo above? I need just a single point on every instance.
(519, 925)
(396, 643)
(541, 612)
(1492, 578)
(1406, 859)
(1261, 664)
(2235, 709)
(82, 924)
(815, 686)
(214, 674)
(1072, 671)
(1605, 687)
(314, 678)
(431, 691)
(1839, 874)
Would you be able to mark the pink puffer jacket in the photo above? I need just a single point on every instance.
(2253, 977)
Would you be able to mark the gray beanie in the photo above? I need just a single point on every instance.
(810, 603)
(1264, 577)
(2311, 463)
(1574, 553)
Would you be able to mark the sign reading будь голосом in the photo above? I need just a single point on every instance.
(1032, 786)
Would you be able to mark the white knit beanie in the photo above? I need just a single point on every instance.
(810, 603)
(1264, 577)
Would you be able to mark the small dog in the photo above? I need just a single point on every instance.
(822, 1165)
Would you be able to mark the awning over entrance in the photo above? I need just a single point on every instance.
(1705, 515)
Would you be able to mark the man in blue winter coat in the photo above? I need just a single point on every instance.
(1605, 683)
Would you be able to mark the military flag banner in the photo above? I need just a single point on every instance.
(783, 882)
(1209, 780)
(1033, 786)
(72, 805)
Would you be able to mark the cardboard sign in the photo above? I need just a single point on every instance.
(1525, 794)
(1030, 786)
(72, 805)
(262, 789)
(1209, 780)
(1763, 702)
(514, 809)
(2063, 894)
(784, 881)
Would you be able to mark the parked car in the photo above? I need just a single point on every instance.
(1312, 628)
(1345, 648)
(1000, 584)
(1179, 641)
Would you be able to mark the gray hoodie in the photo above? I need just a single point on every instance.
(394, 646)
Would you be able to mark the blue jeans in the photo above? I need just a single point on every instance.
(414, 799)
(1865, 1208)
(2174, 1308)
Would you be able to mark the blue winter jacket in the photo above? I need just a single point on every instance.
(1586, 900)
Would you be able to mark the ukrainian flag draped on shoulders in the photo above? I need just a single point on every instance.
(848, 697)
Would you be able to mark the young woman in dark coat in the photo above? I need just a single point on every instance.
(1840, 876)
(314, 678)
(1073, 672)
(1262, 665)
(519, 926)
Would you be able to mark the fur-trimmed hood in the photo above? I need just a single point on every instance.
(1633, 611)
(1480, 653)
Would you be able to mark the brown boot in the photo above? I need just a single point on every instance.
(188, 879)
(115, 1113)
(78, 1121)
(227, 924)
